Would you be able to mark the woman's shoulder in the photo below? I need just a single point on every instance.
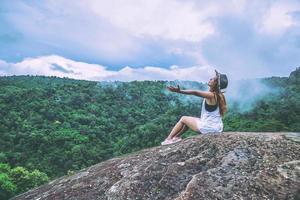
(212, 100)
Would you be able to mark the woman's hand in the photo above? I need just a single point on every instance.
(174, 89)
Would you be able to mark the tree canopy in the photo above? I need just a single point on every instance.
(51, 126)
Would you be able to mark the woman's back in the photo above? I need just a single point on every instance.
(211, 119)
(213, 115)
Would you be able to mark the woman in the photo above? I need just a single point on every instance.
(213, 109)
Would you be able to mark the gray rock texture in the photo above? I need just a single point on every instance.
(232, 165)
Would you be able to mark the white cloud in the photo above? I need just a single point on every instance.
(195, 73)
(4, 68)
(190, 32)
(70, 27)
(61, 67)
(277, 19)
(168, 19)
(58, 66)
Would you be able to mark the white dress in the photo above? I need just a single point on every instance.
(210, 122)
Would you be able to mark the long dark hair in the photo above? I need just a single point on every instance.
(220, 99)
(222, 103)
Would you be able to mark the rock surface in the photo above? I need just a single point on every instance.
(233, 165)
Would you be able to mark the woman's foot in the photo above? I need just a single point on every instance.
(176, 139)
(167, 141)
(171, 141)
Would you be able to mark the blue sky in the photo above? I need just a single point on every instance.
(150, 39)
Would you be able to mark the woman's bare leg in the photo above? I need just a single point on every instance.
(184, 120)
(179, 125)
(184, 128)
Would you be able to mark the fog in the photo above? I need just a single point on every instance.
(241, 95)
(244, 94)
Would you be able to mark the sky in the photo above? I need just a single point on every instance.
(130, 40)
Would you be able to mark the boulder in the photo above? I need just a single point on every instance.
(231, 165)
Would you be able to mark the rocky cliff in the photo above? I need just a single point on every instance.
(227, 166)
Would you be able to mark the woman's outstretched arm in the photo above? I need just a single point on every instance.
(199, 93)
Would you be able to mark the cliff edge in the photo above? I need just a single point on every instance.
(233, 165)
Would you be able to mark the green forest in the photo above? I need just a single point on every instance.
(53, 126)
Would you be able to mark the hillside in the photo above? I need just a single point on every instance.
(53, 126)
(227, 166)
